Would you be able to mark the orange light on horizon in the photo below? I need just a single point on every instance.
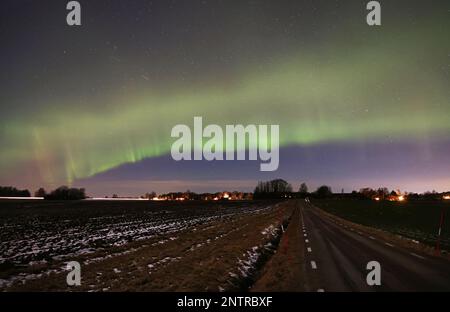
(446, 197)
(401, 198)
(377, 198)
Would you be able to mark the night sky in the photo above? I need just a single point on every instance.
(94, 105)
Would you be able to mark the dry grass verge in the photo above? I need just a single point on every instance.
(285, 271)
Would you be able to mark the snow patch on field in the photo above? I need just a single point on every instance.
(161, 263)
(247, 264)
(270, 230)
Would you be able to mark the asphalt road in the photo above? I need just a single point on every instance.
(337, 256)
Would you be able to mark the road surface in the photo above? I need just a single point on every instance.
(337, 256)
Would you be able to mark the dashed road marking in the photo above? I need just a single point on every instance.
(371, 237)
(320, 290)
(305, 234)
(389, 244)
(360, 233)
(306, 240)
(416, 255)
(314, 265)
(309, 249)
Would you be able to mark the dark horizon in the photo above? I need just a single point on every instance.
(251, 190)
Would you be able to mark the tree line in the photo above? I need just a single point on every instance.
(9, 191)
(280, 188)
(277, 188)
(61, 193)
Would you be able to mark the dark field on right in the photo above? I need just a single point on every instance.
(418, 220)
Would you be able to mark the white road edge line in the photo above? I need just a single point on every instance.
(416, 255)
(320, 290)
(314, 265)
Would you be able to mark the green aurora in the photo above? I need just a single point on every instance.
(392, 85)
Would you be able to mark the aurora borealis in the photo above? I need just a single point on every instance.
(94, 105)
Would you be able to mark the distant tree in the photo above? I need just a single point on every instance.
(368, 192)
(115, 196)
(382, 193)
(65, 193)
(280, 186)
(303, 190)
(149, 195)
(324, 191)
(413, 196)
(13, 192)
(40, 192)
(272, 189)
(431, 195)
